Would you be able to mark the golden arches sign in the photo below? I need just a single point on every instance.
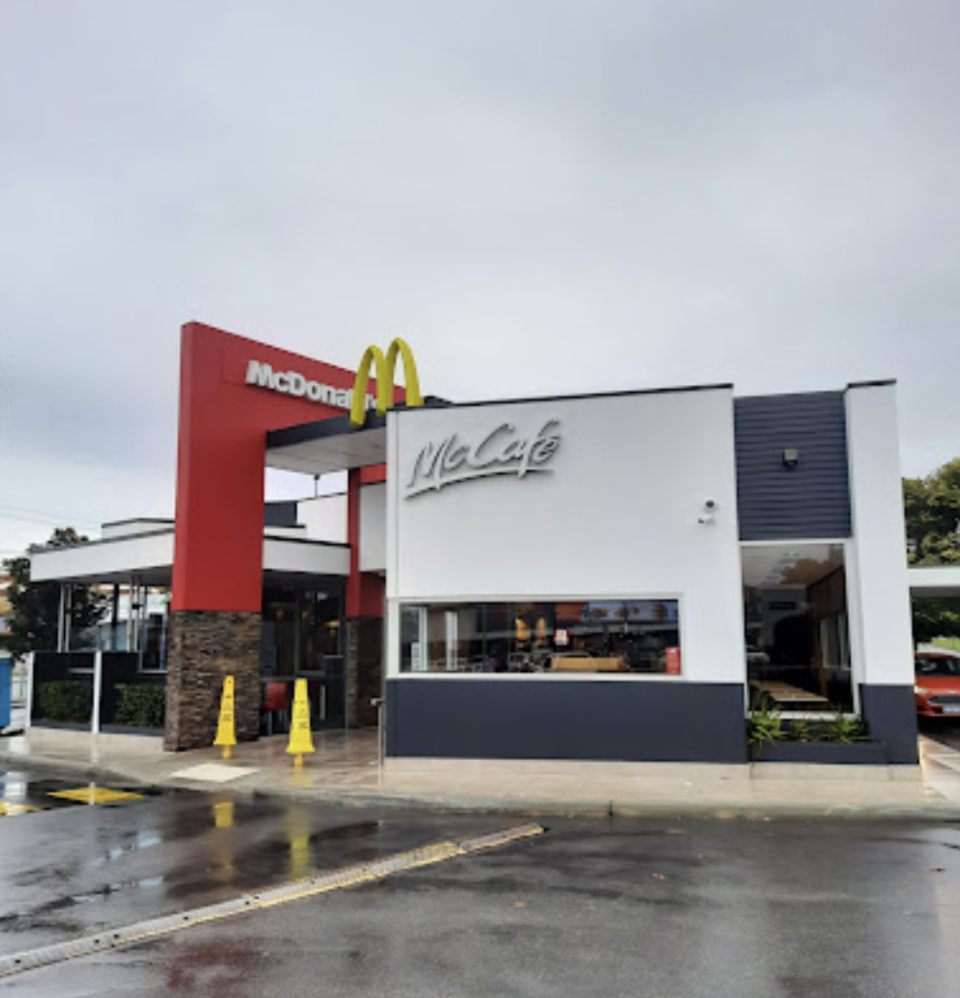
(385, 370)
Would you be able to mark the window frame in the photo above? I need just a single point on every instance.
(854, 637)
(424, 604)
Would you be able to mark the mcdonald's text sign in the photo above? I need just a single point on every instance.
(294, 383)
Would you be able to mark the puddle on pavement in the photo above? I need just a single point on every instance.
(142, 839)
(213, 846)
(108, 890)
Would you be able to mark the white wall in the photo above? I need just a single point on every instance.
(324, 517)
(616, 517)
(877, 563)
(373, 528)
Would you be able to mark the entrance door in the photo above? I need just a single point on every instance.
(301, 639)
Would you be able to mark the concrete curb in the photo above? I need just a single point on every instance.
(12, 760)
(937, 811)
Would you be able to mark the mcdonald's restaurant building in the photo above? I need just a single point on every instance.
(599, 577)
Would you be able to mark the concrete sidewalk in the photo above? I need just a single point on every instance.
(345, 769)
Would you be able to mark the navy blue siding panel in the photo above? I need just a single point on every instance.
(890, 713)
(546, 719)
(282, 513)
(810, 500)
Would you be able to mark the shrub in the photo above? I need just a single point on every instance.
(66, 700)
(844, 729)
(766, 726)
(800, 731)
(763, 728)
(141, 706)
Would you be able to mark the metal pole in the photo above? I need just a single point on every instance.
(164, 619)
(378, 703)
(97, 688)
(141, 616)
(60, 610)
(115, 617)
(381, 735)
(67, 619)
(28, 710)
(130, 601)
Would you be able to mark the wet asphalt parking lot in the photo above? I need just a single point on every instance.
(593, 907)
(942, 730)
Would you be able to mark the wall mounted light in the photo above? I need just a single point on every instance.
(791, 457)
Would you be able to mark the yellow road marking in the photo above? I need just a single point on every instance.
(365, 874)
(334, 880)
(9, 810)
(96, 795)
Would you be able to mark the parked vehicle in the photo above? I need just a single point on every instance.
(937, 686)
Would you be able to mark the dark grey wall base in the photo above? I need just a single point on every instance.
(364, 652)
(890, 713)
(823, 753)
(556, 719)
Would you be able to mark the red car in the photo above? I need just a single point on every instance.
(937, 684)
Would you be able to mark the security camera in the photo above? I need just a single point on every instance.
(706, 518)
(710, 504)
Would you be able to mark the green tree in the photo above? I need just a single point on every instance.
(34, 606)
(935, 618)
(932, 511)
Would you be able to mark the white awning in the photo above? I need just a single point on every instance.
(934, 580)
(149, 557)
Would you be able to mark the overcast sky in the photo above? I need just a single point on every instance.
(543, 197)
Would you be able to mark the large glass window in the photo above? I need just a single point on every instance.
(300, 630)
(795, 609)
(637, 636)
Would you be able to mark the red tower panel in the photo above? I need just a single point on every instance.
(218, 558)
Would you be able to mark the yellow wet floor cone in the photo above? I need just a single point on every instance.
(301, 741)
(226, 728)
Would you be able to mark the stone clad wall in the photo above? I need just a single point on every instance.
(364, 670)
(205, 647)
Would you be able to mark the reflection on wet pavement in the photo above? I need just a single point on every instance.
(677, 909)
(70, 868)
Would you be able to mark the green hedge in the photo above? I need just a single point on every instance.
(66, 700)
(141, 706)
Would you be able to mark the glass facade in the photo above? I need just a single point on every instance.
(626, 636)
(795, 610)
(137, 624)
(301, 639)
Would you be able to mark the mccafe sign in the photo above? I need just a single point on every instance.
(505, 450)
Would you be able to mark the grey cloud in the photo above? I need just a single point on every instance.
(544, 197)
